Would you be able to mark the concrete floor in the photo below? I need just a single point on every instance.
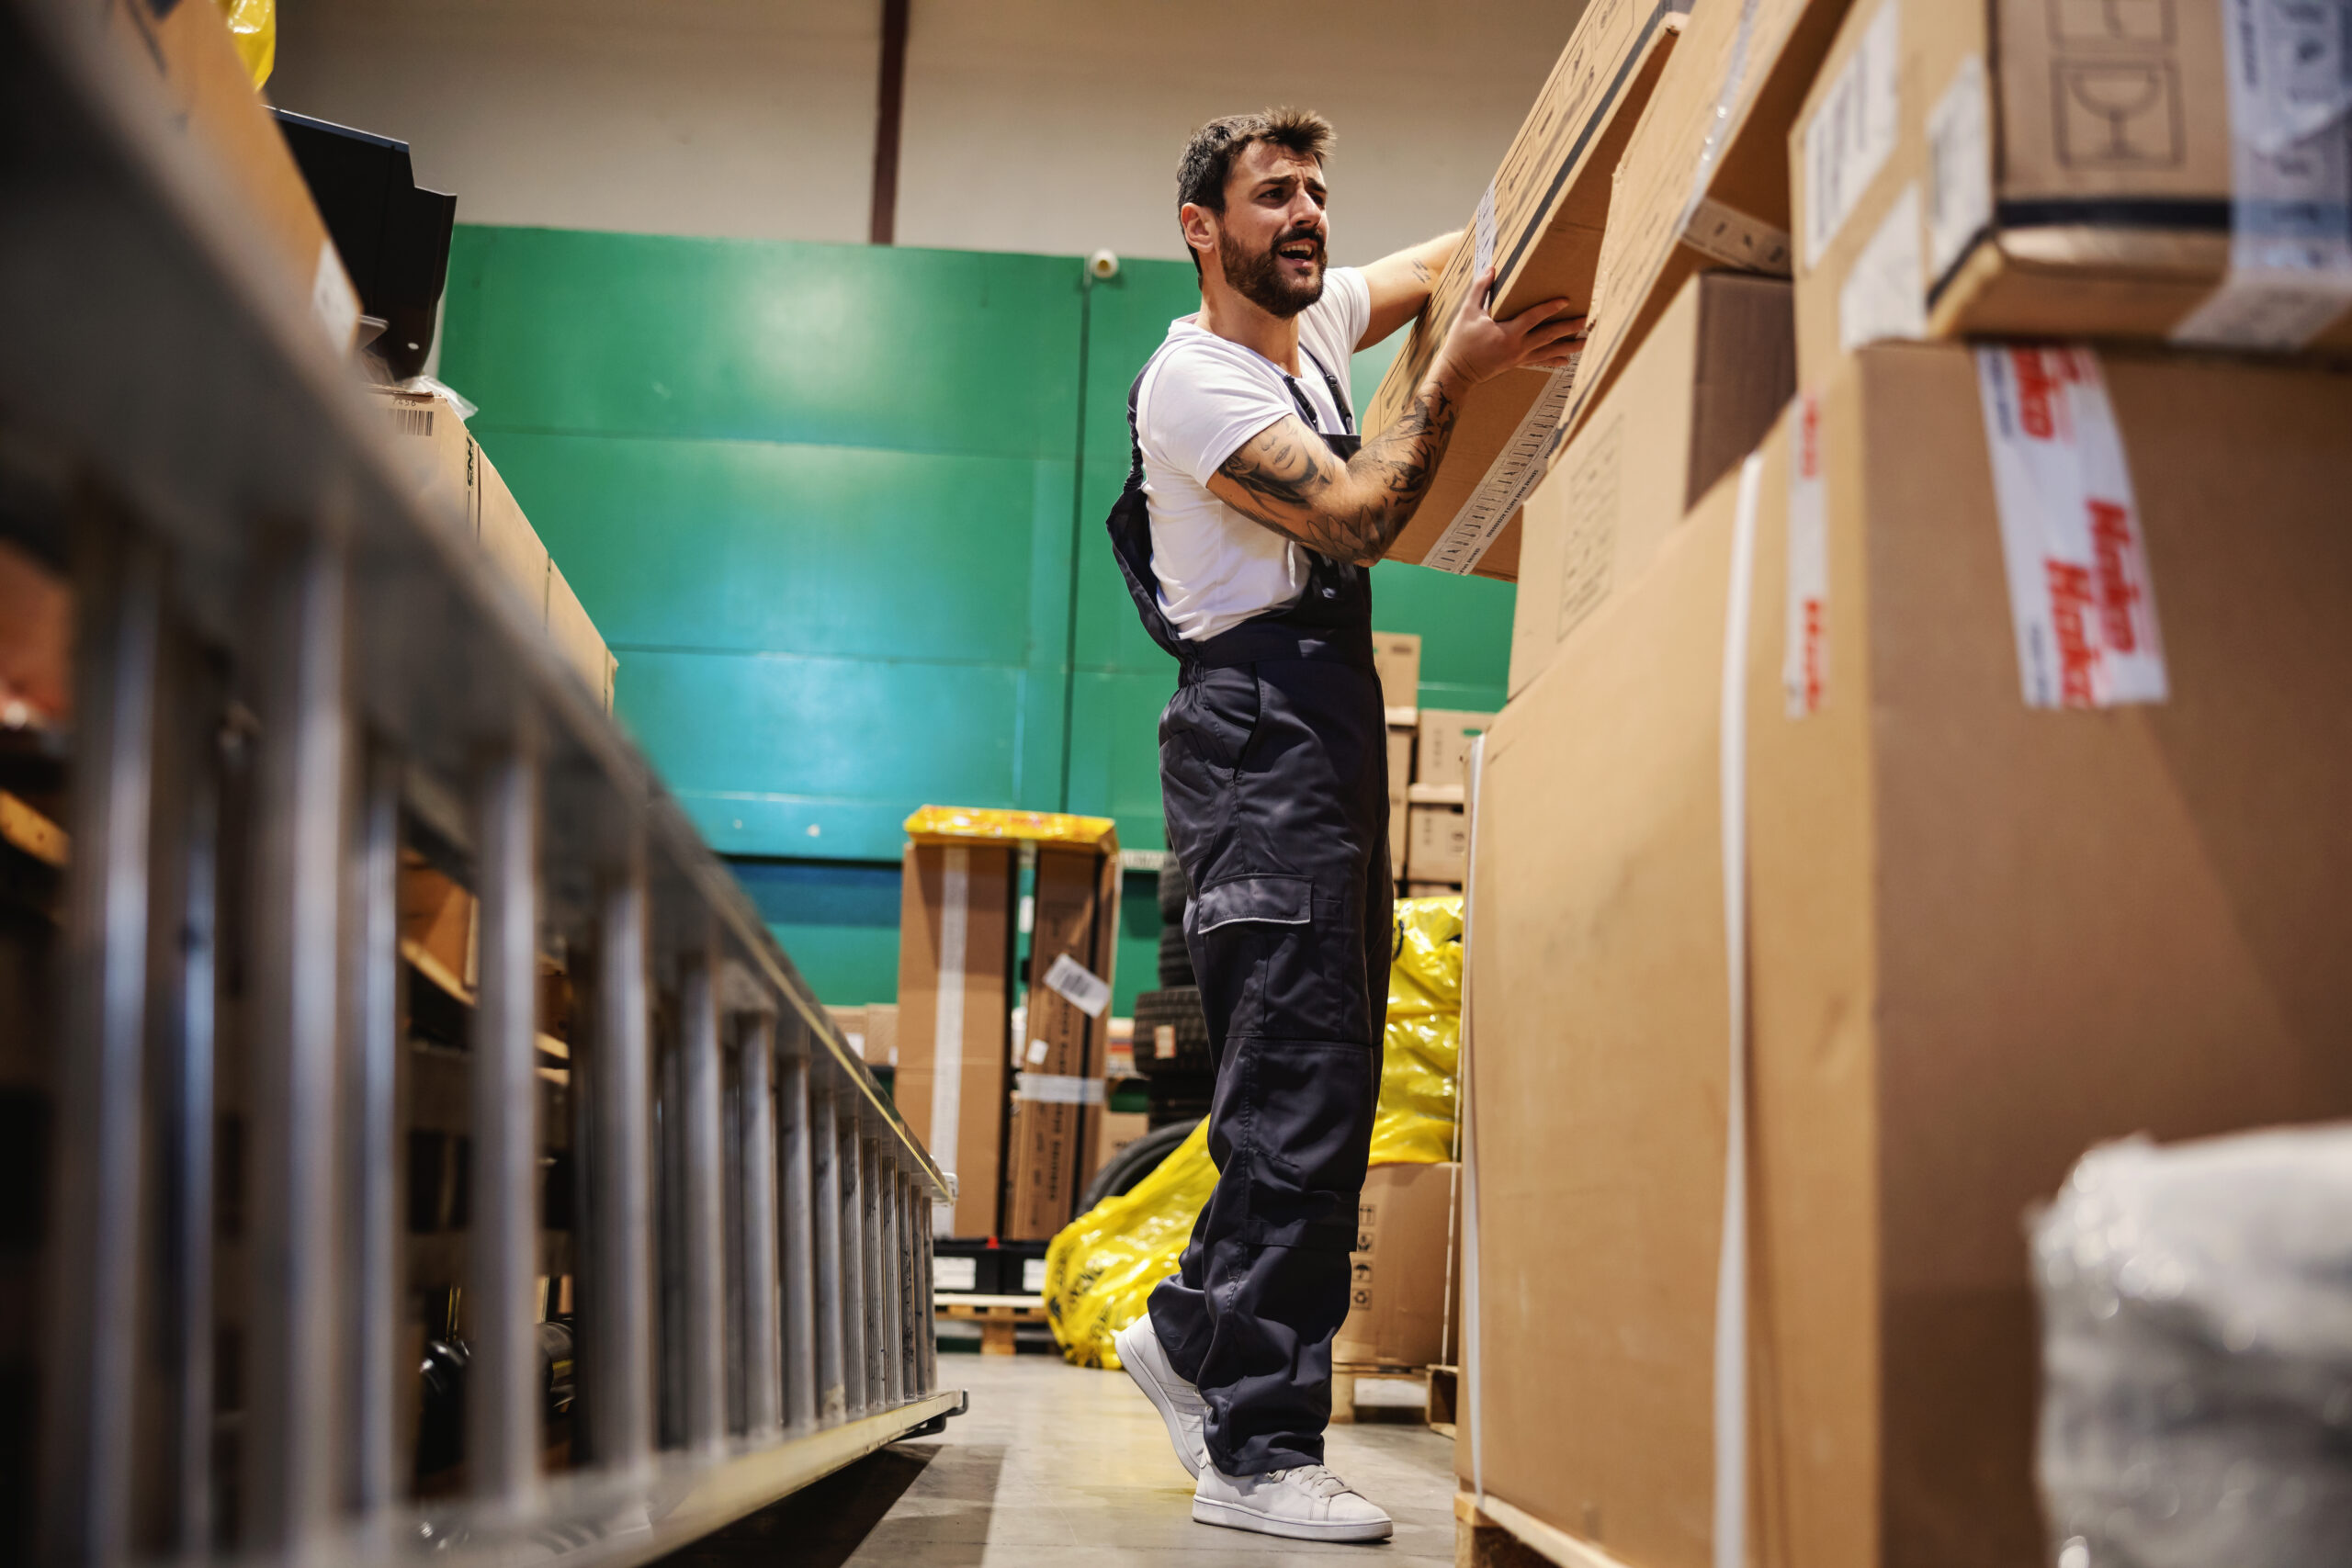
(1055, 1465)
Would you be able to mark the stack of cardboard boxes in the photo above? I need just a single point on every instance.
(1924, 760)
(1006, 915)
(1429, 837)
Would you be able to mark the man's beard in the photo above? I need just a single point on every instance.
(1260, 280)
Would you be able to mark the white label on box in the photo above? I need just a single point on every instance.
(1731, 237)
(1482, 234)
(1086, 990)
(1038, 1051)
(954, 1273)
(1851, 134)
(1882, 297)
(1163, 1042)
(2084, 609)
(1032, 1275)
(1804, 657)
(1058, 1088)
(2290, 176)
(1511, 478)
(1960, 168)
(332, 300)
(856, 1042)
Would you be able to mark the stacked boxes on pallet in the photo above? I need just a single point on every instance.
(1909, 783)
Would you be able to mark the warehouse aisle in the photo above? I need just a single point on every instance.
(1057, 1465)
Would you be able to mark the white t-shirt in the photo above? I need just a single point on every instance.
(1202, 397)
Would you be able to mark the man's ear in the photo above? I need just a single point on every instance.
(1200, 229)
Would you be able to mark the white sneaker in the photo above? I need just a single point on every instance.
(1178, 1402)
(1306, 1503)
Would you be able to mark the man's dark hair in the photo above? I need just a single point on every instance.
(1208, 157)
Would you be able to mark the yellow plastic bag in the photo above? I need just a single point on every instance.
(937, 824)
(252, 27)
(1103, 1265)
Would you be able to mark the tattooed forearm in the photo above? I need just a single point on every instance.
(1286, 479)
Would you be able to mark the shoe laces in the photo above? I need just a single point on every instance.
(1315, 1480)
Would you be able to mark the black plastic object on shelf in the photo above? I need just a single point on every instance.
(393, 236)
(1175, 958)
(1173, 891)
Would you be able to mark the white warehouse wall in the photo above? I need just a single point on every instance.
(1030, 125)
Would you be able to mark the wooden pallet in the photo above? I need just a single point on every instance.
(1000, 1317)
(1494, 1534)
(1363, 1392)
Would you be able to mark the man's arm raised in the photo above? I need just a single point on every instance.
(1400, 284)
(1288, 480)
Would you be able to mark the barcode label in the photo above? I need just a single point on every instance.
(1511, 478)
(1086, 990)
(2084, 609)
(412, 421)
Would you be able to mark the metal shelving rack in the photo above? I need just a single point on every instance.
(287, 669)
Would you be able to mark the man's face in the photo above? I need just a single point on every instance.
(1273, 235)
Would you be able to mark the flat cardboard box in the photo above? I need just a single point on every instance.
(1436, 846)
(1397, 1271)
(1397, 657)
(1540, 225)
(955, 957)
(2073, 182)
(1443, 744)
(1981, 938)
(1705, 182)
(1076, 916)
(205, 95)
(1696, 398)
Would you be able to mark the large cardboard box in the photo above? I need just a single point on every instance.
(1439, 751)
(882, 1034)
(205, 95)
(2034, 168)
(1059, 1091)
(1980, 938)
(1401, 738)
(1398, 658)
(1539, 224)
(577, 639)
(1397, 1271)
(954, 956)
(1437, 844)
(1696, 398)
(1705, 182)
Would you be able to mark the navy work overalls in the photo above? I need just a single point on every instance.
(1274, 768)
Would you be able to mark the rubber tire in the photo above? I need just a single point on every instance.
(1172, 892)
(1132, 1163)
(1175, 958)
(1179, 1006)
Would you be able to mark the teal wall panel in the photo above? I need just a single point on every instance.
(839, 923)
(853, 346)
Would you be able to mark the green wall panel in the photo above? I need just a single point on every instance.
(756, 546)
(937, 351)
(839, 923)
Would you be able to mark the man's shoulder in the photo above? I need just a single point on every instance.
(1197, 360)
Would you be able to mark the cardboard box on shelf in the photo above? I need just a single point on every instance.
(1059, 1089)
(2074, 181)
(1398, 1267)
(1112, 1132)
(1397, 657)
(1436, 846)
(438, 920)
(1400, 779)
(507, 536)
(1981, 936)
(882, 1034)
(206, 94)
(955, 935)
(577, 639)
(1705, 182)
(851, 1021)
(1539, 226)
(1695, 398)
(1443, 743)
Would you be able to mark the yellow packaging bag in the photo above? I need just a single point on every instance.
(1104, 1264)
(253, 24)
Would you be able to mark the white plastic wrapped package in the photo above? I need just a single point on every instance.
(2197, 1354)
